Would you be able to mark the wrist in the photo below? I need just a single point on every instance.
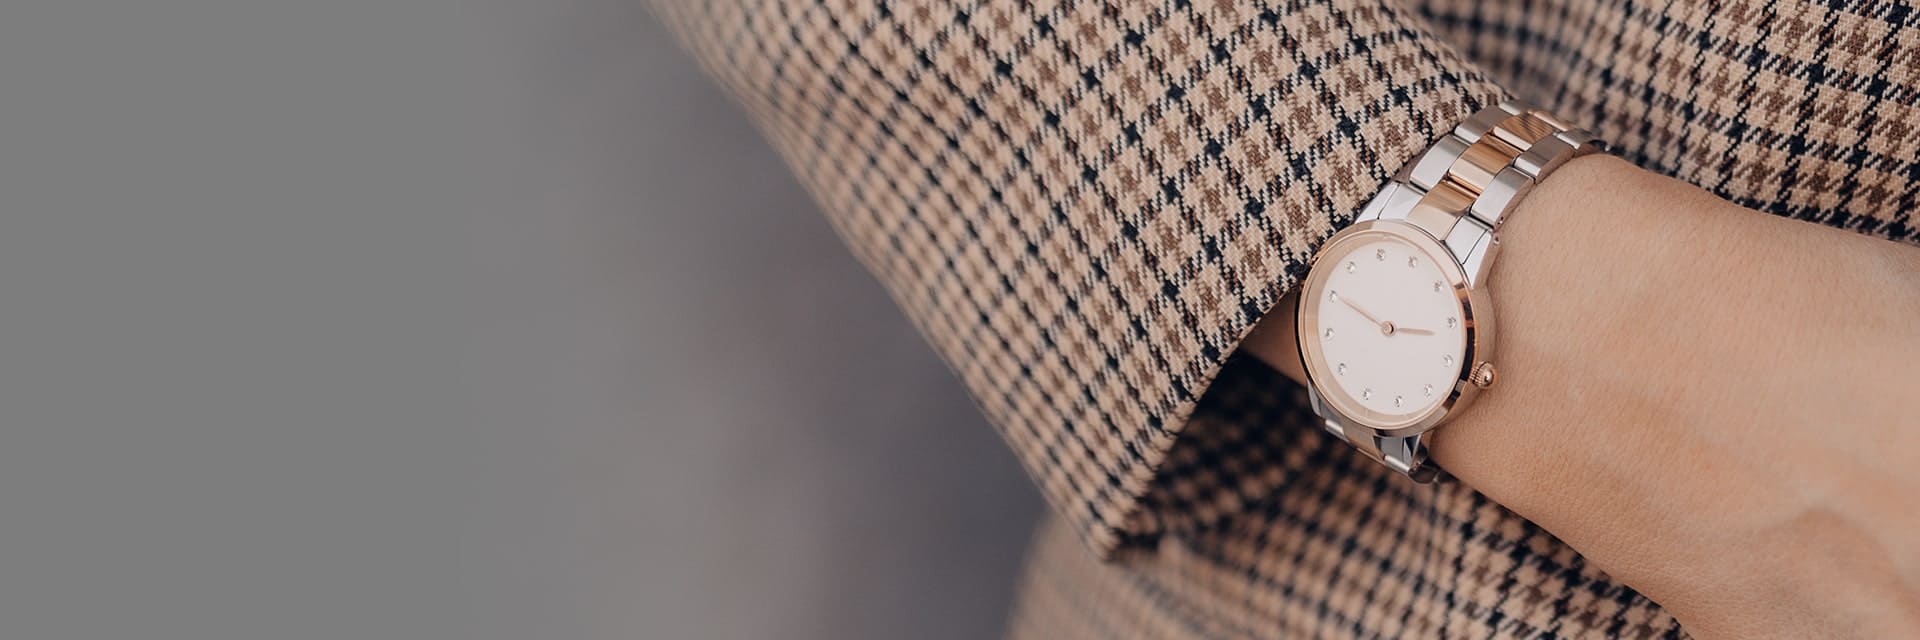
(1714, 405)
(1661, 354)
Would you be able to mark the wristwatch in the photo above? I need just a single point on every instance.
(1395, 323)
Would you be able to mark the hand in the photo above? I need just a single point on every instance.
(1657, 414)
(1386, 327)
(1363, 312)
(1636, 354)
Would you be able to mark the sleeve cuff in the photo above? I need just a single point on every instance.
(1085, 207)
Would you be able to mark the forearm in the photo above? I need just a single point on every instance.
(1665, 352)
(1688, 394)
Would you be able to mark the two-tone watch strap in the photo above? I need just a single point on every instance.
(1460, 190)
(1407, 454)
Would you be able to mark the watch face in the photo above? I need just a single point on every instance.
(1386, 326)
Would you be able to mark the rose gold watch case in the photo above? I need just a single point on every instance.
(1476, 310)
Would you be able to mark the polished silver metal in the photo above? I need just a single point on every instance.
(1432, 166)
(1485, 120)
(1495, 157)
(1405, 454)
(1479, 259)
(1507, 188)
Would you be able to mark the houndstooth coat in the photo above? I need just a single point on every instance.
(1085, 204)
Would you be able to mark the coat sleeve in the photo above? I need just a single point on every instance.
(1084, 205)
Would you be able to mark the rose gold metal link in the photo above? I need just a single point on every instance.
(1478, 164)
(1441, 208)
(1551, 120)
(1484, 120)
(1488, 163)
(1523, 130)
(1466, 183)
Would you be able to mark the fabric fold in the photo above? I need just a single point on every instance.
(1085, 206)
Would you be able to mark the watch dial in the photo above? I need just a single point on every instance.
(1390, 328)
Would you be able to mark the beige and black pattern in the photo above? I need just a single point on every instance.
(1803, 109)
(1316, 540)
(1084, 205)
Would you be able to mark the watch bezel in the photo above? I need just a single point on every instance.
(1476, 312)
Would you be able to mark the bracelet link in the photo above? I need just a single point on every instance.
(1460, 191)
(1481, 170)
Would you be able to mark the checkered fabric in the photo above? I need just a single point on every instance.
(1085, 205)
(1296, 534)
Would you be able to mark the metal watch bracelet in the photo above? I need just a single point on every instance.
(1460, 191)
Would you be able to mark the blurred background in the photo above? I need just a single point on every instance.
(450, 319)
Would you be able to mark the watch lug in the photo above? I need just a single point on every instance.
(1456, 193)
(1319, 406)
(1372, 210)
(1393, 201)
(1408, 455)
(1479, 261)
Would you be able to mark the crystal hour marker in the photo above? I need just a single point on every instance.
(1396, 401)
(1342, 369)
(1413, 261)
(1446, 360)
(1428, 389)
(1436, 287)
(1379, 254)
(1349, 267)
(1366, 394)
(1451, 322)
(1329, 333)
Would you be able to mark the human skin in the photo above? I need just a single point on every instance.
(1718, 407)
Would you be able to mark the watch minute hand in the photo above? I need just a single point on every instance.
(1363, 312)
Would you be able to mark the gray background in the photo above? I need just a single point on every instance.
(432, 319)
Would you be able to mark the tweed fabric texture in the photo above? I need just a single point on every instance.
(1320, 541)
(1085, 205)
(1809, 110)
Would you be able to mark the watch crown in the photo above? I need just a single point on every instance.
(1483, 375)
